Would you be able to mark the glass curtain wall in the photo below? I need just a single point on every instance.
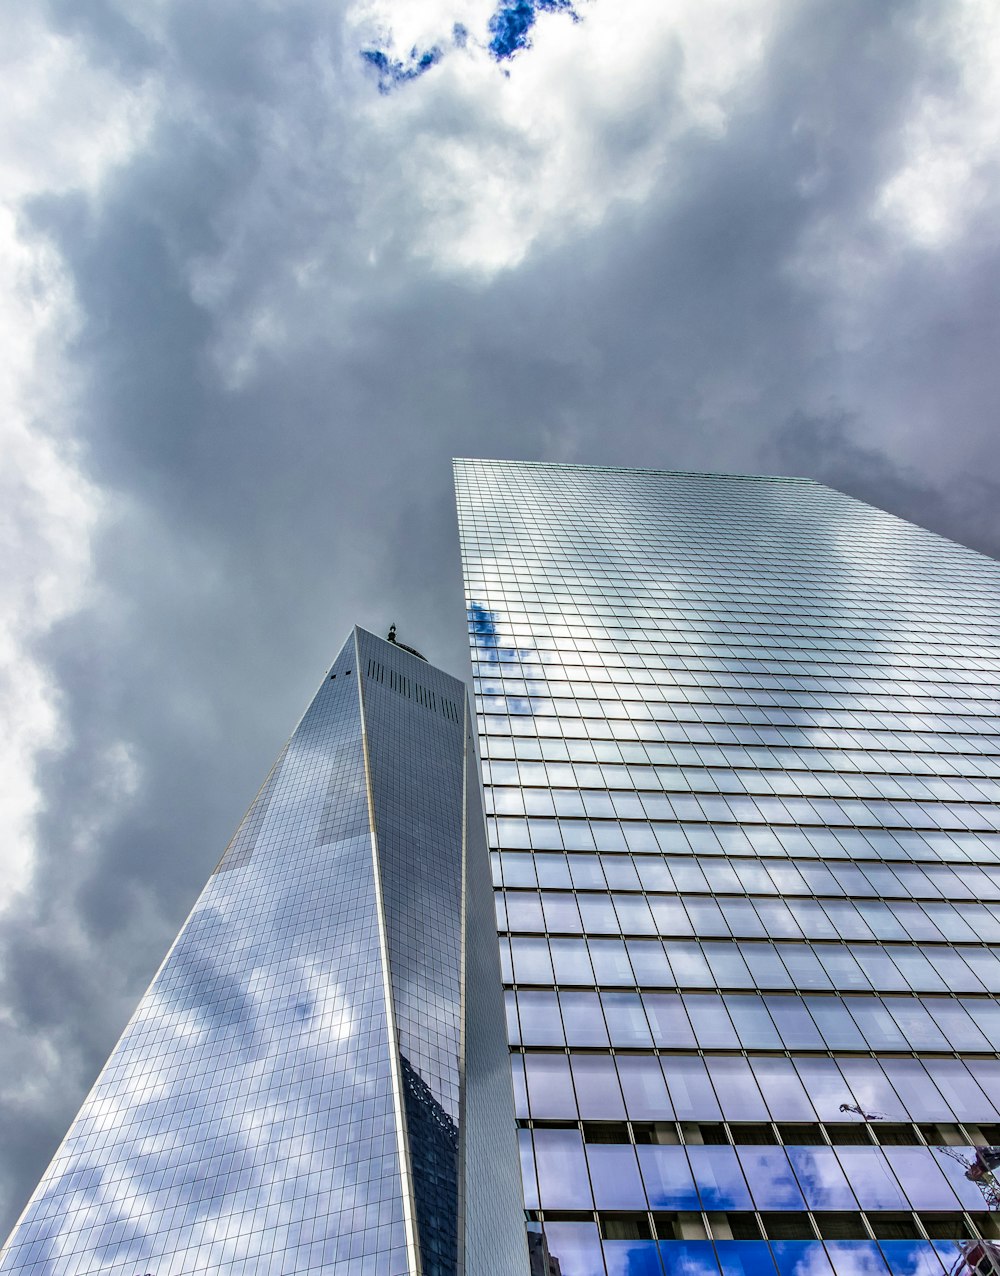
(740, 740)
(316, 1081)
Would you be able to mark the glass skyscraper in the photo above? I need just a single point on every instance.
(317, 1079)
(741, 746)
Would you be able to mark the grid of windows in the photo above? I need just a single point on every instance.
(740, 742)
(290, 1094)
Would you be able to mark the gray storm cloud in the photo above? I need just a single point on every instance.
(295, 299)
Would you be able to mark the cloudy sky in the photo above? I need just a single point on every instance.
(271, 264)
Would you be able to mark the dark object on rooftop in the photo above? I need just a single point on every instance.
(391, 637)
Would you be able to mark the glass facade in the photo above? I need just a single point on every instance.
(315, 1077)
(740, 740)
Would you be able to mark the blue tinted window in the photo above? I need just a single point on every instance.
(690, 1089)
(689, 1258)
(550, 1088)
(753, 1024)
(794, 1022)
(667, 1175)
(562, 1170)
(626, 1019)
(911, 1258)
(710, 1020)
(611, 963)
(871, 1087)
(668, 1020)
(597, 1089)
(571, 960)
(872, 1181)
(719, 1179)
(770, 1177)
(736, 1088)
(823, 1182)
(856, 1258)
(645, 1090)
(745, 1258)
(531, 961)
(614, 1173)
(920, 1096)
(540, 1022)
(920, 1178)
(632, 1258)
(795, 1258)
(576, 1247)
(782, 1090)
(964, 1097)
(583, 1019)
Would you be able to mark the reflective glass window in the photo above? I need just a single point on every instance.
(966, 1024)
(821, 1178)
(871, 1179)
(576, 1247)
(571, 961)
(583, 1018)
(528, 1177)
(794, 1258)
(880, 1029)
(835, 1023)
(645, 1090)
(745, 1258)
(794, 1022)
(771, 1180)
(754, 1026)
(668, 1020)
(719, 1179)
(825, 1086)
(689, 966)
(920, 1097)
(920, 1177)
(690, 1089)
(550, 1088)
(532, 964)
(649, 963)
(783, 1092)
(668, 1178)
(856, 1258)
(871, 1087)
(597, 1090)
(614, 1173)
(963, 1096)
(632, 1258)
(736, 1088)
(689, 1258)
(563, 1183)
(610, 961)
(911, 1258)
(539, 1015)
(712, 1026)
(626, 1020)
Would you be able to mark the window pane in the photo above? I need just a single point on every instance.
(597, 1089)
(550, 1090)
(562, 1170)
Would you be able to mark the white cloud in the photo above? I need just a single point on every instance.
(951, 151)
(587, 118)
(63, 127)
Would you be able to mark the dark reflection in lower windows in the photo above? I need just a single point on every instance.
(433, 1140)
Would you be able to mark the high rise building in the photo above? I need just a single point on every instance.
(317, 1079)
(741, 746)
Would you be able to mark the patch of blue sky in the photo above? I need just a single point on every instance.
(486, 636)
(509, 31)
(482, 626)
(510, 26)
(394, 71)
